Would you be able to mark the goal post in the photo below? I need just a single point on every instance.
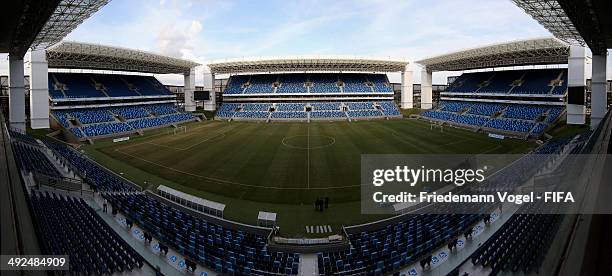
(177, 130)
(438, 125)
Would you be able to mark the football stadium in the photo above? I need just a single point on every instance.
(306, 164)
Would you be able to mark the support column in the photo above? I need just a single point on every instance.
(576, 82)
(426, 91)
(407, 94)
(599, 97)
(209, 85)
(39, 90)
(16, 93)
(188, 88)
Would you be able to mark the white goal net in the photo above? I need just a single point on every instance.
(177, 130)
(436, 125)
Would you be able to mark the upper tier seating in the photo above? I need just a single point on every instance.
(261, 84)
(146, 85)
(69, 226)
(114, 86)
(324, 83)
(537, 81)
(381, 83)
(501, 82)
(75, 85)
(355, 83)
(90, 85)
(469, 82)
(292, 83)
(295, 83)
(235, 84)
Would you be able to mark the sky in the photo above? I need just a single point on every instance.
(204, 30)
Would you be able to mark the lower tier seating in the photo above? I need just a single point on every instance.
(515, 118)
(30, 159)
(383, 251)
(68, 226)
(223, 249)
(94, 122)
(520, 245)
(316, 110)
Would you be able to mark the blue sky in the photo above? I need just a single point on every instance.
(216, 29)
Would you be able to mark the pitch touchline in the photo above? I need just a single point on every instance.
(221, 181)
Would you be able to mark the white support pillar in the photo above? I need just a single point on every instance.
(426, 91)
(16, 93)
(39, 90)
(209, 85)
(188, 89)
(599, 97)
(407, 94)
(576, 82)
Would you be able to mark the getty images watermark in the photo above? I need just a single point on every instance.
(473, 184)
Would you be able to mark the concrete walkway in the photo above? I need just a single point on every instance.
(444, 261)
(308, 265)
(171, 264)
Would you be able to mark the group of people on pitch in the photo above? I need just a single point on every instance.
(321, 204)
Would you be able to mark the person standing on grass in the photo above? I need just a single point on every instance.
(326, 202)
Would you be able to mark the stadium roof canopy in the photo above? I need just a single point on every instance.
(306, 64)
(538, 51)
(38, 24)
(77, 55)
(574, 21)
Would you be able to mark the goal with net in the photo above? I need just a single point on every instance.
(437, 125)
(177, 130)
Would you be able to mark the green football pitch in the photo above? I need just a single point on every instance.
(282, 167)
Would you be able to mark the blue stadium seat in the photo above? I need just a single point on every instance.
(69, 226)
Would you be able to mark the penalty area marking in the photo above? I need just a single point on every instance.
(330, 142)
(209, 139)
